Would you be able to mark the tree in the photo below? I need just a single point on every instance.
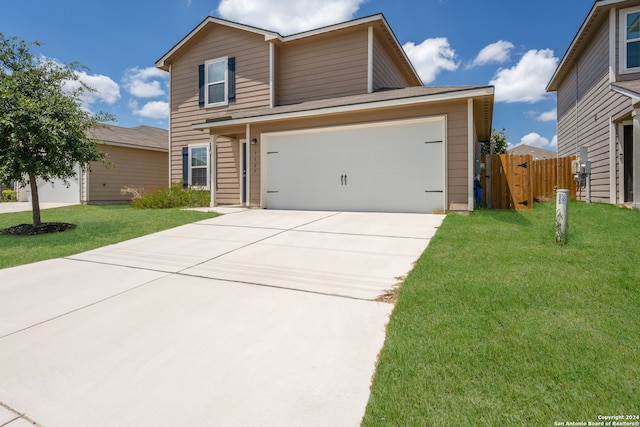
(499, 142)
(43, 127)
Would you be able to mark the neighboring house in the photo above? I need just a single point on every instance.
(537, 153)
(138, 158)
(334, 119)
(598, 88)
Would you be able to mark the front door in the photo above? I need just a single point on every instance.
(243, 168)
(627, 173)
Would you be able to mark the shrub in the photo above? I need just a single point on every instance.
(174, 197)
(9, 195)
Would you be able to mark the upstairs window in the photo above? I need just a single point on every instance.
(216, 82)
(630, 39)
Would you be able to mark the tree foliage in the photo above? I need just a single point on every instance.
(499, 142)
(43, 127)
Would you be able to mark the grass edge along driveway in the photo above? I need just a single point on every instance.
(97, 225)
(498, 325)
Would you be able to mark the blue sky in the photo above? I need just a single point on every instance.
(513, 45)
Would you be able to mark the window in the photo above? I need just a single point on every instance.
(199, 165)
(216, 82)
(630, 39)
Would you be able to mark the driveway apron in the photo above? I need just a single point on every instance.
(259, 317)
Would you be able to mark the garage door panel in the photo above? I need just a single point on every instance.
(392, 167)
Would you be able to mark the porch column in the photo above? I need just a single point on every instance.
(248, 163)
(636, 158)
(212, 168)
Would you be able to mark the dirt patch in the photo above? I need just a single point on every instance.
(44, 228)
(391, 295)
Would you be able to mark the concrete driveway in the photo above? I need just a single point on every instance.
(9, 207)
(256, 318)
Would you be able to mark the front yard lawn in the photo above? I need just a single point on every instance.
(499, 326)
(96, 226)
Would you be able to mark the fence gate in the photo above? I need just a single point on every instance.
(506, 182)
(516, 181)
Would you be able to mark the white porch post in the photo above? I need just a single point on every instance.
(248, 163)
(636, 158)
(613, 162)
(212, 160)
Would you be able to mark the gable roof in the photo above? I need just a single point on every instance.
(537, 153)
(598, 14)
(377, 20)
(141, 137)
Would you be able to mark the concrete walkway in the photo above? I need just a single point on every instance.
(255, 318)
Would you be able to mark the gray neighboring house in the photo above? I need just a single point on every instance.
(598, 99)
(537, 153)
(139, 158)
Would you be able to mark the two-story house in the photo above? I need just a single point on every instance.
(598, 91)
(331, 119)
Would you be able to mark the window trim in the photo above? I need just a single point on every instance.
(208, 166)
(225, 101)
(622, 51)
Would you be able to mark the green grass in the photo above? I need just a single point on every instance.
(499, 326)
(96, 226)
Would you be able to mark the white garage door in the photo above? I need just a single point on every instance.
(396, 166)
(58, 190)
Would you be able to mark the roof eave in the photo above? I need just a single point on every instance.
(268, 35)
(554, 83)
(635, 96)
(447, 96)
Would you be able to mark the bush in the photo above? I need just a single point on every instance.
(9, 195)
(174, 197)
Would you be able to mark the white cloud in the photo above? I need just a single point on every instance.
(145, 83)
(495, 52)
(289, 16)
(548, 116)
(107, 90)
(527, 80)
(535, 140)
(152, 110)
(431, 57)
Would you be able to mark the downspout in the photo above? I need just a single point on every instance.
(470, 155)
(272, 73)
(370, 60)
(170, 152)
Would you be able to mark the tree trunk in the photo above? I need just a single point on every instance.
(35, 202)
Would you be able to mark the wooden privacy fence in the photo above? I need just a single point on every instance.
(516, 181)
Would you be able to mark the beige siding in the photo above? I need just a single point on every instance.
(252, 83)
(385, 72)
(586, 105)
(141, 169)
(457, 142)
(322, 67)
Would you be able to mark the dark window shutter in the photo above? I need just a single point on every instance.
(201, 85)
(185, 167)
(231, 76)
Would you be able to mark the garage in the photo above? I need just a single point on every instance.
(391, 166)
